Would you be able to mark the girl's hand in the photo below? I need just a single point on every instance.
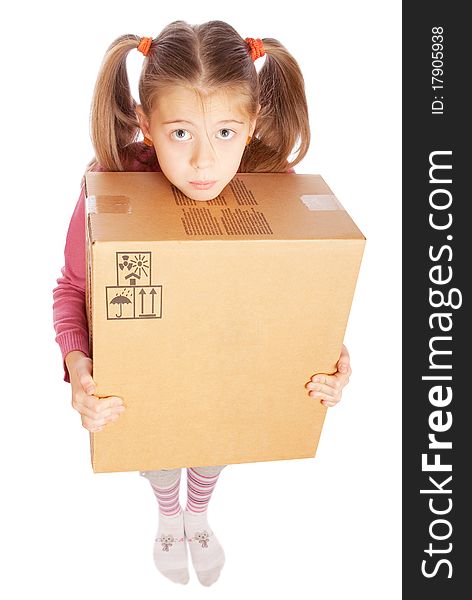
(329, 388)
(95, 412)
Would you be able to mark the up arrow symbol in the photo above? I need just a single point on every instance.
(142, 293)
(153, 293)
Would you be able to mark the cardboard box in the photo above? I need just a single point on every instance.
(208, 318)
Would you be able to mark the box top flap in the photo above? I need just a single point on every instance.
(255, 206)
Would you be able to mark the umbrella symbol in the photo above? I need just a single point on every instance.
(120, 300)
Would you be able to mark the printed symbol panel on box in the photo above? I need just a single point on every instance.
(140, 302)
(133, 268)
(133, 296)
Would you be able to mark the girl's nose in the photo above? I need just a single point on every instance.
(203, 156)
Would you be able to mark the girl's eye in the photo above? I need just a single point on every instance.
(226, 134)
(181, 134)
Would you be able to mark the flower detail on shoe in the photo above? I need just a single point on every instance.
(202, 538)
(166, 540)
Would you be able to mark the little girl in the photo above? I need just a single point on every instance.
(205, 114)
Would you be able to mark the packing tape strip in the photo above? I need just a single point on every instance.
(321, 202)
(108, 204)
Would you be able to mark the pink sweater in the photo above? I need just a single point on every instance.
(69, 311)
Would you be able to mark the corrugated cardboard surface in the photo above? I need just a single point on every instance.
(208, 318)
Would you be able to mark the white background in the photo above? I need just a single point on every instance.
(327, 527)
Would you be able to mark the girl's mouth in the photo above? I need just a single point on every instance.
(202, 185)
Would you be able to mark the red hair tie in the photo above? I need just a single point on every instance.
(256, 46)
(144, 45)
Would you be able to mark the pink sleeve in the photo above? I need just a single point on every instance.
(69, 312)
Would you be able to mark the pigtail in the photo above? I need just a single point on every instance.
(282, 127)
(113, 121)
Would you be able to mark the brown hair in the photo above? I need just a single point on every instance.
(210, 57)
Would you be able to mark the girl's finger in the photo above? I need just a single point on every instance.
(93, 425)
(322, 396)
(344, 361)
(86, 413)
(333, 381)
(329, 403)
(98, 405)
(104, 414)
(87, 383)
(319, 378)
(344, 353)
(322, 389)
(85, 377)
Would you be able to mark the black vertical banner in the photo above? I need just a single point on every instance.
(437, 266)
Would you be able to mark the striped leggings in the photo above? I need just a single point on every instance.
(199, 491)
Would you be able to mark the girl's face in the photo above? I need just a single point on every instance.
(199, 140)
